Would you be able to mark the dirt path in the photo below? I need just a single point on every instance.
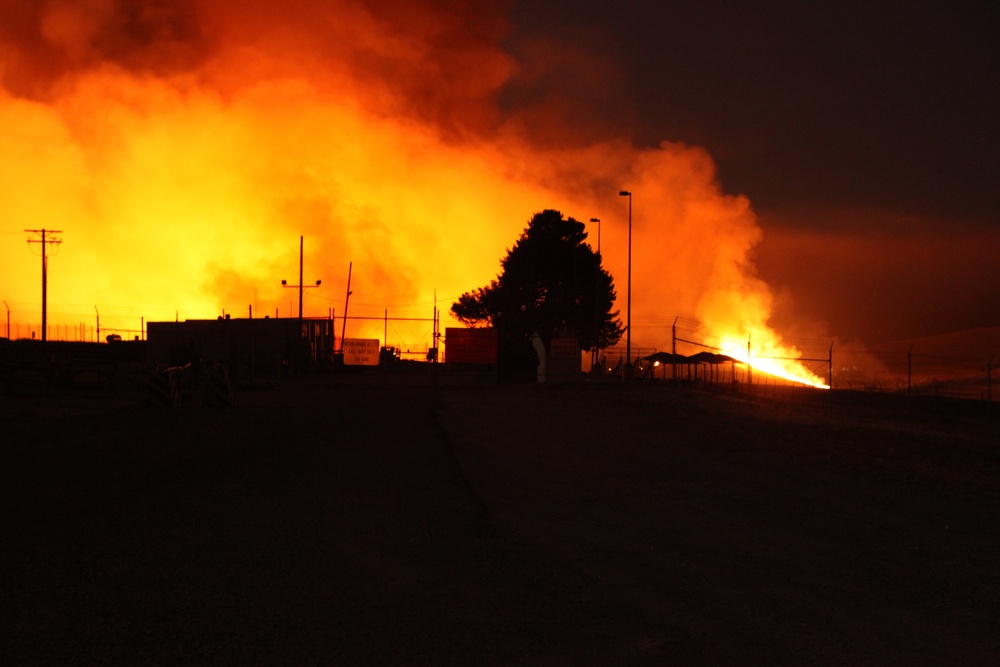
(379, 525)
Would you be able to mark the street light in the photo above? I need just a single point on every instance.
(628, 306)
(597, 343)
(598, 221)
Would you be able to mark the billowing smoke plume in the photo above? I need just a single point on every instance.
(183, 148)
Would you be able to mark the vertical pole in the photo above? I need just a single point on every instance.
(628, 304)
(45, 290)
(98, 323)
(436, 329)
(628, 313)
(595, 352)
(347, 300)
(829, 371)
(385, 328)
(44, 233)
(300, 285)
(673, 347)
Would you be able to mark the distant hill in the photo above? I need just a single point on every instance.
(970, 344)
(955, 363)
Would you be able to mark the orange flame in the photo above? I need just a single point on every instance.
(182, 169)
(784, 367)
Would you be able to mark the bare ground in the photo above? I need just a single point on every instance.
(594, 525)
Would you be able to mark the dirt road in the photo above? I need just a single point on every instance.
(381, 525)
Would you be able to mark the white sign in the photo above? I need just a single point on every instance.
(361, 351)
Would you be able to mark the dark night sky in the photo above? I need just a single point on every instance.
(882, 104)
(873, 123)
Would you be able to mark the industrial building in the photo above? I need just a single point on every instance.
(249, 348)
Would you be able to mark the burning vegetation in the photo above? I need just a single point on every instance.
(183, 147)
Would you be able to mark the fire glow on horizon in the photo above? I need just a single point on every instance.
(777, 367)
(182, 170)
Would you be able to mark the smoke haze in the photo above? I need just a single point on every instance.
(183, 147)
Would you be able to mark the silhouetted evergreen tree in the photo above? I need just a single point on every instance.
(552, 283)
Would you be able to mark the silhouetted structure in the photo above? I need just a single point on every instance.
(689, 365)
(249, 348)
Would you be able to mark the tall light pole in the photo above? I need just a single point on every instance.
(8, 319)
(300, 286)
(628, 302)
(597, 310)
(598, 221)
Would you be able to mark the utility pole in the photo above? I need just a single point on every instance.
(301, 247)
(436, 329)
(673, 348)
(43, 238)
(628, 296)
(347, 300)
(300, 286)
(829, 367)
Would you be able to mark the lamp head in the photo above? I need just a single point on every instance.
(624, 193)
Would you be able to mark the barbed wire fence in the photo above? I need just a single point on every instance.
(895, 368)
(81, 332)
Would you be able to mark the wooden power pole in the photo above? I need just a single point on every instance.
(44, 237)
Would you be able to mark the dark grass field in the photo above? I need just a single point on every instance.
(318, 523)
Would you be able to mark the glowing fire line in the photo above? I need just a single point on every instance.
(775, 366)
(786, 367)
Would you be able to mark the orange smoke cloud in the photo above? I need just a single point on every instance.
(183, 149)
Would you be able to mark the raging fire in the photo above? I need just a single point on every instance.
(781, 365)
(184, 149)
